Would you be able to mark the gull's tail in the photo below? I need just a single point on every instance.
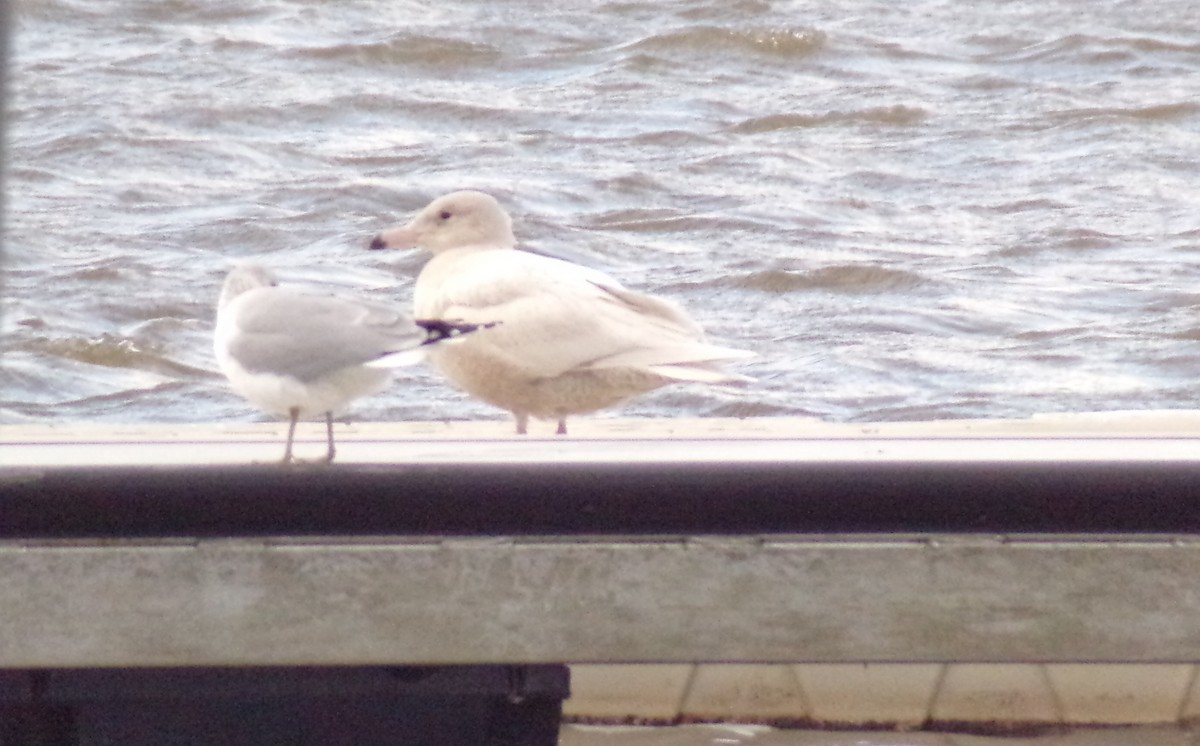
(437, 331)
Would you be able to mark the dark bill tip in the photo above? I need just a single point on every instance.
(377, 243)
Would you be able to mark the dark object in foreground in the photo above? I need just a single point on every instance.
(422, 706)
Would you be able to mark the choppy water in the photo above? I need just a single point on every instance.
(911, 210)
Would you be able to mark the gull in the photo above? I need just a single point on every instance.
(569, 339)
(299, 355)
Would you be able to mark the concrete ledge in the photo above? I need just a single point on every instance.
(1101, 474)
(1095, 436)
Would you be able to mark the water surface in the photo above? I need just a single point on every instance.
(910, 211)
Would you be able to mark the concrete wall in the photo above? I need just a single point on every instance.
(1014, 630)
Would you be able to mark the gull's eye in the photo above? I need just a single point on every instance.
(445, 215)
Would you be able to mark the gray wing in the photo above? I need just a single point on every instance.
(306, 336)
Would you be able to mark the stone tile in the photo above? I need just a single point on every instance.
(1190, 712)
(735, 735)
(627, 692)
(878, 693)
(995, 693)
(1123, 694)
(755, 735)
(745, 692)
(1134, 736)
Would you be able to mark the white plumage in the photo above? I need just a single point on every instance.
(569, 339)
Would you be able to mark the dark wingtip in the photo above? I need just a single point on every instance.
(438, 329)
(377, 243)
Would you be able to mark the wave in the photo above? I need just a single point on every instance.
(406, 49)
(105, 351)
(898, 115)
(1172, 112)
(1086, 48)
(650, 220)
(843, 278)
(784, 43)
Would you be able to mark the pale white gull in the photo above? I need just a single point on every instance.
(300, 355)
(570, 339)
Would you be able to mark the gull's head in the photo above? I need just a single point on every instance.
(453, 221)
(244, 278)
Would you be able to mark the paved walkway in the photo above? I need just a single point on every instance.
(751, 735)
